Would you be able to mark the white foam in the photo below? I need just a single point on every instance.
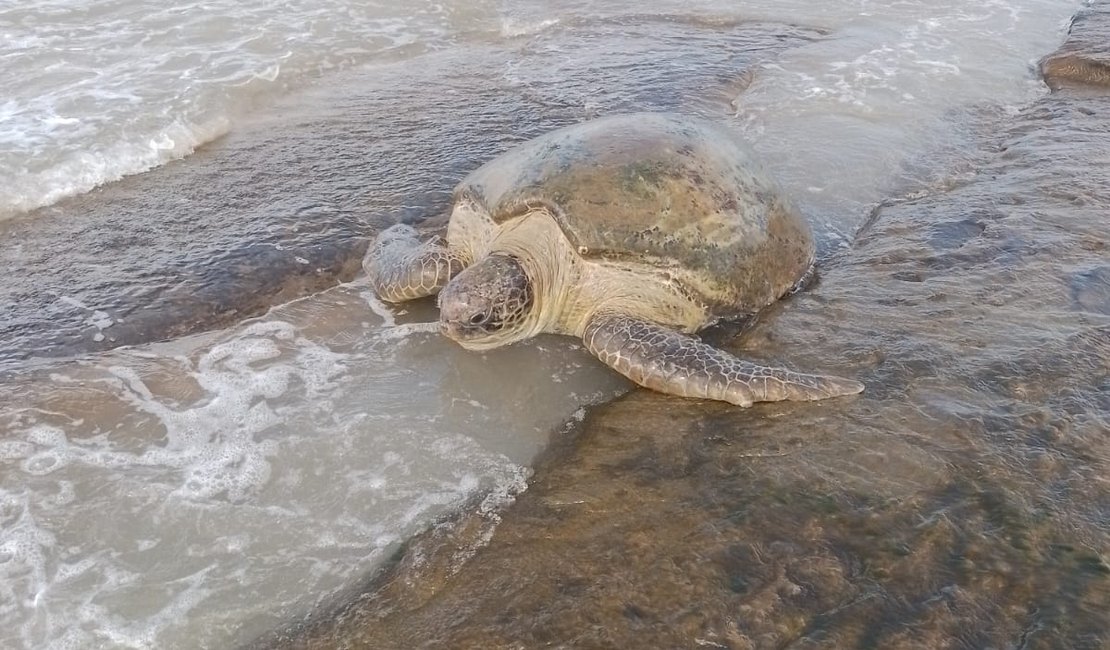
(214, 450)
(24, 549)
(214, 441)
(99, 319)
(80, 170)
(380, 309)
(189, 591)
(515, 27)
(260, 453)
(406, 330)
(390, 330)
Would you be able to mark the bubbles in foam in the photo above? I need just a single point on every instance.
(15, 449)
(47, 436)
(24, 548)
(233, 471)
(46, 449)
(43, 463)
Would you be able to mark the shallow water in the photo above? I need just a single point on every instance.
(148, 491)
(961, 501)
(199, 491)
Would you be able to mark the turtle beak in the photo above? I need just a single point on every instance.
(449, 329)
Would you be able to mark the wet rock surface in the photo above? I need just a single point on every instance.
(285, 205)
(960, 502)
(1084, 59)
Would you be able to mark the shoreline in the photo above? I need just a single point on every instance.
(953, 500)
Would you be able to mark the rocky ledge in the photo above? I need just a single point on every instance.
(960, 502)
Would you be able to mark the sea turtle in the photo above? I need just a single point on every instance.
(631, 232)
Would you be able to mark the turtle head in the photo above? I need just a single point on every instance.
(487, 305)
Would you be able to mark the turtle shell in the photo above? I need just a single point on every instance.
(666, 190)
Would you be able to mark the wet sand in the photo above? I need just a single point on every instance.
(961, 502)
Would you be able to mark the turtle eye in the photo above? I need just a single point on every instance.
(478, 319)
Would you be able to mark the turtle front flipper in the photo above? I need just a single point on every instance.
(671, 362)
(402, 268)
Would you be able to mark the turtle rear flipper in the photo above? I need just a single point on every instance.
(662, 359)
(402, 268)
